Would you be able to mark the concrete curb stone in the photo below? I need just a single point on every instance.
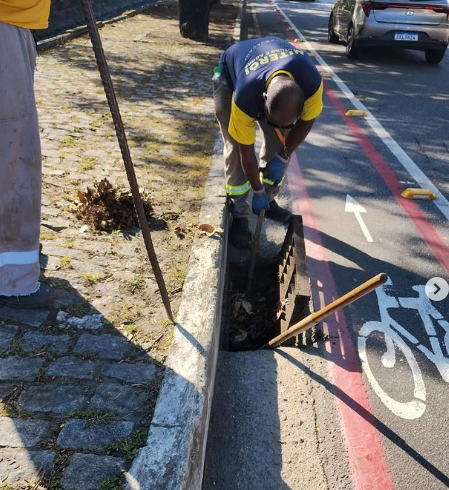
(175, 452)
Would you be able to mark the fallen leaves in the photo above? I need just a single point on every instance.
(107, 208)
(210, 230)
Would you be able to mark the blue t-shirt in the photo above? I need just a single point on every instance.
(251, 65)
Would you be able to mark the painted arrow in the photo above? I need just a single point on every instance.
(352, 206)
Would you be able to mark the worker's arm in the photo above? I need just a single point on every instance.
(296, 136)
(250, 166)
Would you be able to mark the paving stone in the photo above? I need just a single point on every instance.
(120, 399)
(34, 318)
(132, 373)
(20, 368)
(87, 471)
(72, 367)
(7, 333)
(105, 346)
(88, 434)
(88, 322)
(52, 398)
(22, 433)
(36, 341)
(6, 389)
(23, 466)
(56, 224)
(64, 252)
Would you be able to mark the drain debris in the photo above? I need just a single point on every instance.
(252, 321)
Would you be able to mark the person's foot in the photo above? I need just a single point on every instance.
(277, 213)
(239, 234)
(40, 299)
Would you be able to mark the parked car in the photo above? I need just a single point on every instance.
(421, 25)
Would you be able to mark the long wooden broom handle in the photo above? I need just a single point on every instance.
(315, 318)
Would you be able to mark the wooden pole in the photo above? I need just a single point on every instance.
(124, 147)
(315, 318)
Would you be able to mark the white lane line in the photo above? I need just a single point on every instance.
(417, 174)
(352, 206)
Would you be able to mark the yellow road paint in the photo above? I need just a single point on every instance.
(413, 193)
(355, 113)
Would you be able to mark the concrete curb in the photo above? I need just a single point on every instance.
(174, 455)
(82, 30)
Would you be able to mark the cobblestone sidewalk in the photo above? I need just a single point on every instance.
(78, 382)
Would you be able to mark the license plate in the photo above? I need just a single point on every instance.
(405, 36)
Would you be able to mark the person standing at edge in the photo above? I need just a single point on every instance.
(270, 81)
(20, 156)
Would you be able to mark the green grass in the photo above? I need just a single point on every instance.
(16, 347)
(127, 447)
(68, 141)
(65, 263)
(178, 275)
(131, 328)
(92, 278)
(88, 163)
(128, 314)
(48, 236)
(136, 283)
(111, 483)
(102, 416)
(68, 244)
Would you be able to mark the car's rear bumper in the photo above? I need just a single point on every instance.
(417, 45)
(375, 34)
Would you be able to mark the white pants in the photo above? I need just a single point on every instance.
(20, 164)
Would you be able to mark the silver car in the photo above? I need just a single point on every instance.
(421, 25)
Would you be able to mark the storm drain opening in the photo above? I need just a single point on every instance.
(280, 297)
(252, 321)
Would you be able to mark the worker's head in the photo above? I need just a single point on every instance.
(284, 101)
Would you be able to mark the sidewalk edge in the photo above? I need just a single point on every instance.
(79, 31)
(174, 455)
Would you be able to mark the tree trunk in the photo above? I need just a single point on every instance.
(194, 19)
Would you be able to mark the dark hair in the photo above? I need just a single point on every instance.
(285, 89)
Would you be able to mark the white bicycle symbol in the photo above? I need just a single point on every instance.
(395, 338)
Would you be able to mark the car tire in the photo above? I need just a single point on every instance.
(352, 47)
(332, 37)
(434, 55)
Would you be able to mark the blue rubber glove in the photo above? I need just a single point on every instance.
(275, 171)
(260, 201)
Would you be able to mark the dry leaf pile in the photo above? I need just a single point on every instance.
(107, 208)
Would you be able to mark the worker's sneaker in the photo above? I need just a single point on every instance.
(277, 213)
(40, 299)
(239, 235)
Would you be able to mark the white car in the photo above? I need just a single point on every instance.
(421, 25)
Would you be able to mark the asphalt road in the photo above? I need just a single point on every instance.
(408, 240)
